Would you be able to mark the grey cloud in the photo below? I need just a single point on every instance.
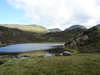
(62, 12)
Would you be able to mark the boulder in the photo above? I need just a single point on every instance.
(67, 53)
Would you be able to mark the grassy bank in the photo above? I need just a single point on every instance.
(2, 45)
(80, 64)
(34, 53)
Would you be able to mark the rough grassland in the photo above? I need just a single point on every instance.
(80, 64)
(30, 28)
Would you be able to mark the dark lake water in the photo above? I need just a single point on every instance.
(27, 47)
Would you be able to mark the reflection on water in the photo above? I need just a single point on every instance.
(27, 47)
(48, 54)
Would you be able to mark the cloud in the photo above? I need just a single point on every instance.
(60, 13)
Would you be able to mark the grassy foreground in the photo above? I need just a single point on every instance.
(80, 64)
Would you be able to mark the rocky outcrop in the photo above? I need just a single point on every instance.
(60, 51)
(88, 41)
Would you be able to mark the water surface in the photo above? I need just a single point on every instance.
(27, 47)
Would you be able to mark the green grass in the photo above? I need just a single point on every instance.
(34, 53)
(2, 45)
(80, 64)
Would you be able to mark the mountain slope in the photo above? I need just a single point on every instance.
(64, 35)
(30, 28)
(88, 41)
(13, 36)
(76, 27)
(10, 34)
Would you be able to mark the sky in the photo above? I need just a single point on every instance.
(50, 13)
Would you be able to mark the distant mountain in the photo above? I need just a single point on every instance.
(76, 27)
(30, 28)
(64, 35)
(88, 41)
(55, 30)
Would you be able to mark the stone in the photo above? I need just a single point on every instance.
(67, 53)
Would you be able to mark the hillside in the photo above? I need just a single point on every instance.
(29, 28)
(64, 35)
(13, 36)
(76, 27)
(88, 41)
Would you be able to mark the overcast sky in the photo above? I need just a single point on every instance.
(51, 13)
